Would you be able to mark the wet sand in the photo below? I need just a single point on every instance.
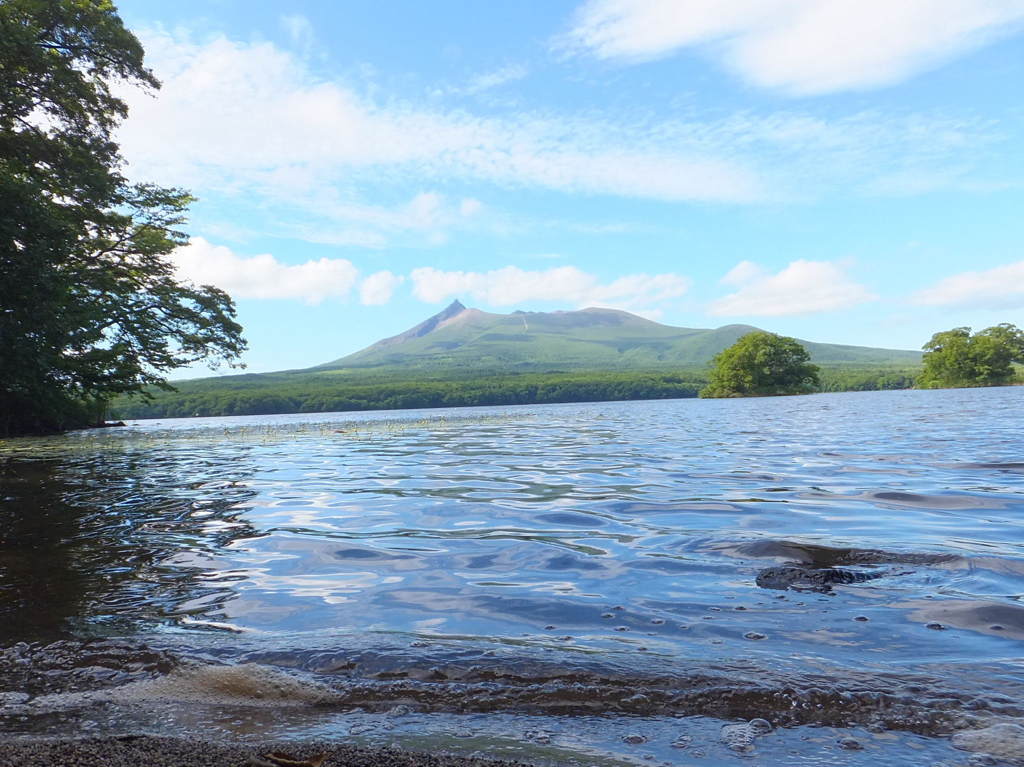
(147, 751)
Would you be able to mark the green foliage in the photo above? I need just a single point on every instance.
(762, 364)
(856, 378)
(955, 358)
(89, 306)
(336, 391)
(323, 392)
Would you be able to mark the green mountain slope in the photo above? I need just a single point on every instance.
(464, 338)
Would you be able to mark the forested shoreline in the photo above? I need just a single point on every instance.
(320, 393)
(758, 364)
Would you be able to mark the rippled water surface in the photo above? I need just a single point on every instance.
(604, 581)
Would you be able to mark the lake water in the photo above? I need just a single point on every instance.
(571, 584)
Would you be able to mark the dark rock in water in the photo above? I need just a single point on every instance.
(817, 557)
(850, 744)
(810, 579)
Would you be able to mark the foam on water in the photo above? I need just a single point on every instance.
(246, 684)
(532, 684)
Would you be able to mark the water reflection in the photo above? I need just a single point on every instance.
(44, 581)
(645, 528)
(109, 543)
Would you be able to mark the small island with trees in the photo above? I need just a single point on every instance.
(956, 358)
(764, 364)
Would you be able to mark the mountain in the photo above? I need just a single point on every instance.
(463, 356)
(463, 338)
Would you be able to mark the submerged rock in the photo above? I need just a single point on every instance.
(760, 726)
(12, 698)
(810, 579)
(738, 737)
(741, 737)
(1003, 741)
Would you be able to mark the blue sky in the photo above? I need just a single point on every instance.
(848, 171)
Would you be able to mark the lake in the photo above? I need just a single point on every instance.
(598, 583)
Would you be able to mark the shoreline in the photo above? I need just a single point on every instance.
(159, 751)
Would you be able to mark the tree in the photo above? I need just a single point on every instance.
(762, 364)
(956, 358)
(89, 303)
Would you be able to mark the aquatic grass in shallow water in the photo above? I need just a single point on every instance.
(242, 429)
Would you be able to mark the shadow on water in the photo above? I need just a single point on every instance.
(41, 586)
(85, 545)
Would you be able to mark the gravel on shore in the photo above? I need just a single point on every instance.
(149, 751)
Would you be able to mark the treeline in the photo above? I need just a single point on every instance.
(319, 396)
(321, 393)
(867, 379)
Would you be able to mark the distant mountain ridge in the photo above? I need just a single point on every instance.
(466, 357)
(592, 338)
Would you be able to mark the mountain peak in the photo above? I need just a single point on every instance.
(596, 338)
(454, 309)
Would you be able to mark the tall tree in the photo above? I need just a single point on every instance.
(762, 364)
(89, 303)
(956, 358)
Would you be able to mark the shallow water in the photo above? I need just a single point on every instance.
(544, 582)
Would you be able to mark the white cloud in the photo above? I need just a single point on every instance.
(263, 276)
(250, 117)
(254, 124)
(999, 288)
(300, 30)
(498, 77)
(546, 256)
(470, 207)
(803, 287)
(339, 221)
(799, 46)
(378, 288)
(566, 284)
(743, 272)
